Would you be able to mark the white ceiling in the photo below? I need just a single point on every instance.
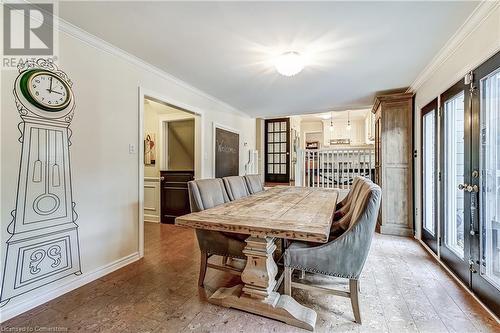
(225, 49)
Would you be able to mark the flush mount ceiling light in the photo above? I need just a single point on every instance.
(289, 63)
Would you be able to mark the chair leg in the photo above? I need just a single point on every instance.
(224, 260)
(203, 268)
(354, 291)
(302, 274)
(288, 280)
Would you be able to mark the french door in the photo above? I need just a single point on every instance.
(455, 175)
(485, 243)
(429, 175)
(277, 150)
(470, 181)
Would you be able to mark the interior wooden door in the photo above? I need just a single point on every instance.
(429, 166)
(277, 150)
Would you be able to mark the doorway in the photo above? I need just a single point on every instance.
(169, 160)
(470, 173)
(164, 172)
(277, 150)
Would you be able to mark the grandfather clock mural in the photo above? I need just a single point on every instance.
(43, 246)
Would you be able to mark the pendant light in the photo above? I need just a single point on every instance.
(348, 127)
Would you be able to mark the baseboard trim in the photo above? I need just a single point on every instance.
(462, 285)
(395, 230)
(7, 312)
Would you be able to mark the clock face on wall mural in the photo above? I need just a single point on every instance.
(45, 90)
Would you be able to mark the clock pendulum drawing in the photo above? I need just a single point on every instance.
(43, 246)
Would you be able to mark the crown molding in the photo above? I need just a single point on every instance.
(100, 44)
(478, 16)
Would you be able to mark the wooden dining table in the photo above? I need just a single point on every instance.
(293, 213)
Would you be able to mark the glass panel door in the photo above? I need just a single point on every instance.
(454, 174)
(455, 167)
(490, 178)
(429, 166)
(485, 251)
(277, 148)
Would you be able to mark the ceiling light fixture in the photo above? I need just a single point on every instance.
(289, 63)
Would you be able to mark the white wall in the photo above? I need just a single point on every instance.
(357, 133)
(104, 173)
(478, 40)
(151, 126)
(309, 127)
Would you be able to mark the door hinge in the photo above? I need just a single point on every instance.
(439, 241)
(439, 175)
(440, 111)
(469, 77)
(469, 81)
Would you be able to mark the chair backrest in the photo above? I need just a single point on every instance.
(362, 201)
(340, 226)
(206, 193)
(355, 242)
(236, 187)
(353, 193)
(254, 183)
(355, 184)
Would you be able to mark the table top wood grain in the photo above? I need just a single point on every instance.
(297, 213)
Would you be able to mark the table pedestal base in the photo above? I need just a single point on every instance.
(257, 294)
(280, 307)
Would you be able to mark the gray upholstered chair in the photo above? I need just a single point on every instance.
(204, 194)
(236, 187)
(342, 257)
(254, 183)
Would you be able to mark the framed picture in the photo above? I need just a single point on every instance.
(149, 149)
(226, 152)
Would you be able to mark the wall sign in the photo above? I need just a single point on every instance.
(227, 152)
(43, 246)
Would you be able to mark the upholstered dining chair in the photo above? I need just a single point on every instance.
(204, 194)
(254, 183)
(342, 257)
(236, 187)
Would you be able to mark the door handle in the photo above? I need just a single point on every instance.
(162, 178)
(468, 188)
(474, 188)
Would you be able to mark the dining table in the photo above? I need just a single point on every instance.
(286, 212)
